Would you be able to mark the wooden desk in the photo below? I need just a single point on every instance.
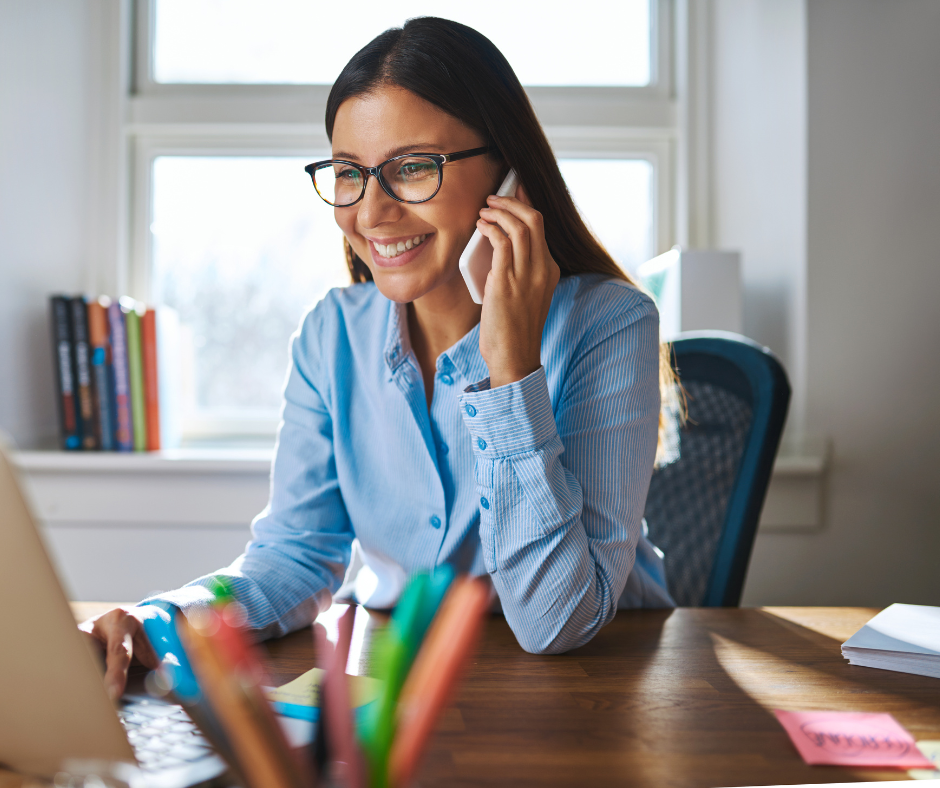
(659, 698)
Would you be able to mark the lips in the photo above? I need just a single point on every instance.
(395, 248)
(397, 252)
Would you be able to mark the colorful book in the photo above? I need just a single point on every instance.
(84, 383)
(123, 429)
(148, 347)
(70, 436)
(101, 372)
(135, 372)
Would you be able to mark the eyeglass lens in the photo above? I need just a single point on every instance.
(411, 179)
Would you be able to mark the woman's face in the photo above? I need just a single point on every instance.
(386, 123)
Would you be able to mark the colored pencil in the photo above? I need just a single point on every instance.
(435, 673)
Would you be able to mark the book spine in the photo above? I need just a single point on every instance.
(69, 435)
(135, 369)
(148, 346)
(83, 377)
(101, 373)
(123, 432)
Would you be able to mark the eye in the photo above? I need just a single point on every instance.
(347, 173)
(417, 169)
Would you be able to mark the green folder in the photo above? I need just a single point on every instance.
(135, 368)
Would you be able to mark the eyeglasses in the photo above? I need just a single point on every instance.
(410, 178)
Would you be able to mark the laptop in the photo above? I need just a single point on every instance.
(54, 711)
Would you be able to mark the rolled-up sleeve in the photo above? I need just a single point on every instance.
(563, 485)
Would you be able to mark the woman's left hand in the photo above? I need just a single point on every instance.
(518, 290)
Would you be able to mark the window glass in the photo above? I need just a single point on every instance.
(615, 196)
(242, 247)
(593, 42)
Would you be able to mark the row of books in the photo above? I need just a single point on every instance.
(113, 375)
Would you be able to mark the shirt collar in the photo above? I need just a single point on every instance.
(397, 344)
(463, 356)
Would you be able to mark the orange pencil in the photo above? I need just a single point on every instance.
(435, 673)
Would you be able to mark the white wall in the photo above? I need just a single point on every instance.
(873, 329)
(44, 195)
(758, 136)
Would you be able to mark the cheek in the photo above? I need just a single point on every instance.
(345, 220)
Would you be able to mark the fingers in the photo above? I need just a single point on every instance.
(518, 233)
(502, 247)
(121, 634)
(119, 652)
(523, 211)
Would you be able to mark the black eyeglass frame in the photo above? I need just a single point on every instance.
(440, 158)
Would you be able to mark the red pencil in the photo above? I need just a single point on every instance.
(336, 703)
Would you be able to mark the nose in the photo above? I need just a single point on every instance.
(376, 207)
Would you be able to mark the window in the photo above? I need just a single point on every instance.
(227, 106)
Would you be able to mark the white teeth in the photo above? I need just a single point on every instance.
(393, 250)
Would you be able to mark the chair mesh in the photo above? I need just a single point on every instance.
(688, 499)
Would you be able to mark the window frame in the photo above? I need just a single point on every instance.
(222, 120)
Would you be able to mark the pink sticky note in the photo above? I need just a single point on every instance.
(845, 738)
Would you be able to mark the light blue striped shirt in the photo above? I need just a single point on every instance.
(541, 483)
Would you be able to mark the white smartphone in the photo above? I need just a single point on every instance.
(477, 259)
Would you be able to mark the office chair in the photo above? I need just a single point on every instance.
(702, 510)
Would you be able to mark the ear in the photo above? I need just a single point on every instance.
(522, 197)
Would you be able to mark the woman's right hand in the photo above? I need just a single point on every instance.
(119, 635)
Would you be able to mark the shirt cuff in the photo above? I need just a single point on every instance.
(187, 598)
(511, 419)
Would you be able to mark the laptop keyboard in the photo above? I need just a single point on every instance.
(162, 735)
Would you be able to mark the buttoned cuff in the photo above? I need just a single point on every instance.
(511, 419)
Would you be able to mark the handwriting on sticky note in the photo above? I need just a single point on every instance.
(931, 751)
(304, 691)
(852, 739)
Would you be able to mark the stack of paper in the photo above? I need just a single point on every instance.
(904, 638)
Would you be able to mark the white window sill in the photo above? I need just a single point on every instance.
(200, 461)
(227, 487)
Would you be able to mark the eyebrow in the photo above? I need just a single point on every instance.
(416, 147)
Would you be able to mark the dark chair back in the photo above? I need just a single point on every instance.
(703, 509)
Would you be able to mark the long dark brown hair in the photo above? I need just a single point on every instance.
(460, 71)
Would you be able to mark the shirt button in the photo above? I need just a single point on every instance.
(435, 521)
(444, 448)
(481, 443)
(484, 503)
(445, 378)
(471, 411)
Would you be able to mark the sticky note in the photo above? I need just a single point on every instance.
(300, 698)
(931, 750)
(840, 738)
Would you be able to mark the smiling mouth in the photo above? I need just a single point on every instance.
(392, 250)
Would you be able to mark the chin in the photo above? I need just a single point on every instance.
(401, 287)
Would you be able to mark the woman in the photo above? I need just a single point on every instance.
(515, 439)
